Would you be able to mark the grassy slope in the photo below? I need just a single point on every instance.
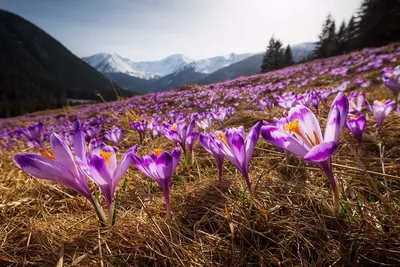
(290, 223)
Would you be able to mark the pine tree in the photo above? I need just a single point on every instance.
(273, 57)
(378, 22)
(327, 43)
(351, 35)
(341, 39)
(288, 57)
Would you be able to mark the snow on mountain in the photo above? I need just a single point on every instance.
(209, 65)
(106, 63)
(163, 67)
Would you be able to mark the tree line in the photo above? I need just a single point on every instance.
(376, 23)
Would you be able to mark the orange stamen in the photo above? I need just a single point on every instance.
(222, 137)
(294, 127)
(346, 94)
(49, 154)
(158, 152)
(317, 141)
(106, 156)
(174, 127)
(382, 101)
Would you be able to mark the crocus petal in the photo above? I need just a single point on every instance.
(63, 153)
(176, 156)
(122, 167)
(238, 148)
(322, 152)
(308, 125)
(139, 165)
(205, 142)
(333, 127)
(251, 141)
(101, 176)
(164, 168)
(342, 103)
(79, 141)
(47, 169)
(282, 139)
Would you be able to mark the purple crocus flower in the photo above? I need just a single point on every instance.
(190, 140)
(357, 126)
(239, 149)
(324, 94)
(178, 133)
(34, 134)
(103, 169)
(287, 100)
(205, 124)
(356, 107)
(156, 129)
(140, 126)
(380, 110)
(398, 109)
(159, 166)
(214, 146)
(391, 79)
(220, 114)
(93, 132)
(302, 136)
(265, 103)
(56, 165)
(114, 135)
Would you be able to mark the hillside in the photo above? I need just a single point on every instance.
(331, 199)
(37, 72)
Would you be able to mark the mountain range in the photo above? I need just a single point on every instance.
(177, 70)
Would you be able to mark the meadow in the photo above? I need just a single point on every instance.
(331, 198)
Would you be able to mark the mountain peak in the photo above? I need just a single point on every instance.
(177, 58)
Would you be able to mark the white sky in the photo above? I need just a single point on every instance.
(154, 29)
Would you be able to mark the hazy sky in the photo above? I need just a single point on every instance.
(154, 29)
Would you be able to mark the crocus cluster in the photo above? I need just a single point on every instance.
(72, 169)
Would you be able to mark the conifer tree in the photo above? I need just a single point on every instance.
(351, 35)
(288, 57)
(327, 42)
(273, 57)
(341, 39)
(379, 22)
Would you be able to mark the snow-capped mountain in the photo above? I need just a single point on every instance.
(113, 63)
(209, 65)
(107, 63)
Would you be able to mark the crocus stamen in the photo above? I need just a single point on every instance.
(317, 141)
(294, 127)
(382, 101)
(106, 156)
(222, 137)
(49, 154)
(174, 127)
(158, 152)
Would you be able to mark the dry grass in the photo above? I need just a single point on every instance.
(290, 223)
